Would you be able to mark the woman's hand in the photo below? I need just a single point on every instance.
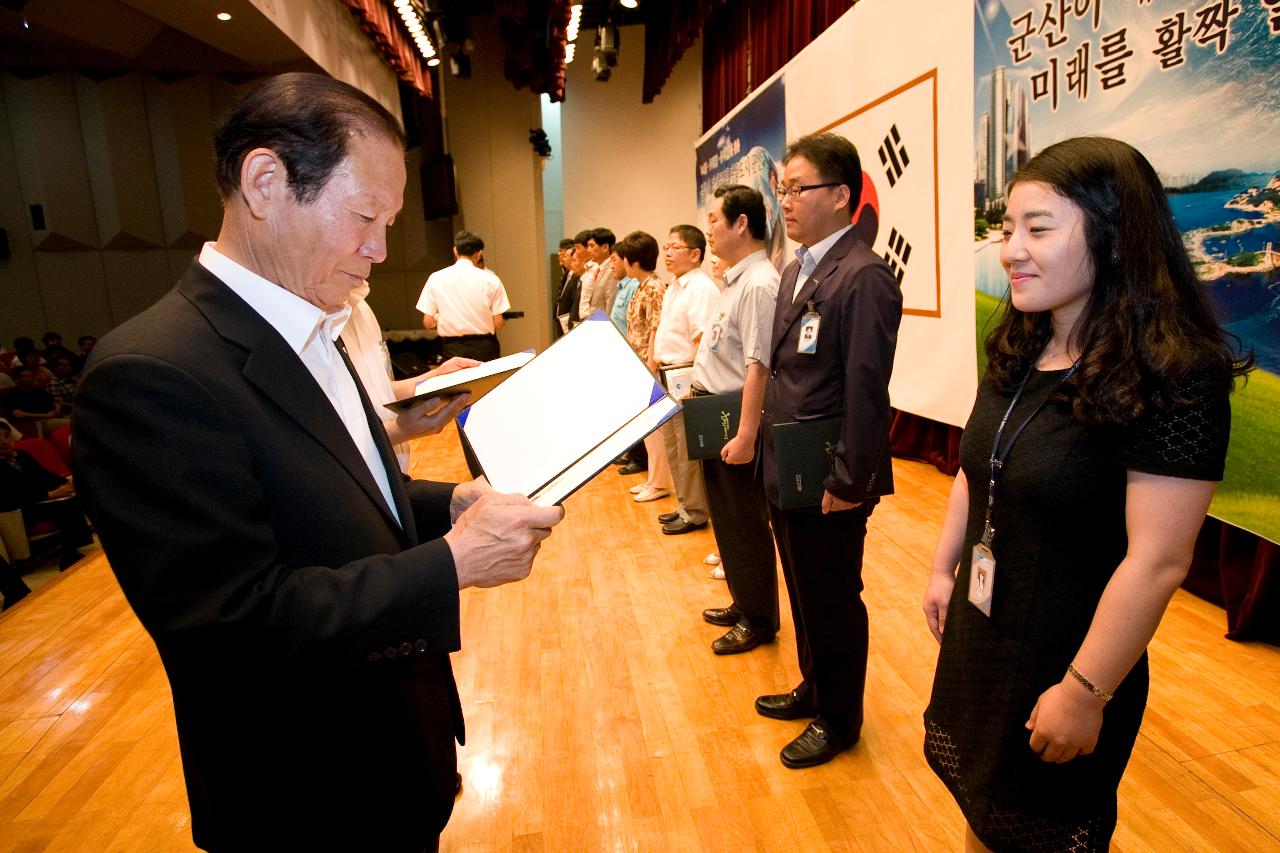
(1065, 722)
(936, 600)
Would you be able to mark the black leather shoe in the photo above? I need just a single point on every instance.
(631, 468)
(816, 745)
(785, 706)
(624, 459)
(668, 517)
(679, 526)
(741, 638)
(726, 616)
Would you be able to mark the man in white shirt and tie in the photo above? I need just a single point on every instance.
(302, 593)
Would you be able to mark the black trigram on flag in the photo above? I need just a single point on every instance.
(897, 255)
(893, 156)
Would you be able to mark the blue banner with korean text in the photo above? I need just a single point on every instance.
(1193, 85)
(746, 148)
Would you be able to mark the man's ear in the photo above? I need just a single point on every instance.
(263, 180)
(844, 198)
(741, 225)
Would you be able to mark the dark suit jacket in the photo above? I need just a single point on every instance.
(306, 635)
(860, 303)
(567, 303)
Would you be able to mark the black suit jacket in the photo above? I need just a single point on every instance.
(860, 304)
(306, 634)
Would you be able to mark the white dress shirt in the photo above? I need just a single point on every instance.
(369, 356)
(686, 313)
(464, 299)
(310, 332)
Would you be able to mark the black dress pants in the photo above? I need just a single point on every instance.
(822, 565)
(740, 521)
(479, 347)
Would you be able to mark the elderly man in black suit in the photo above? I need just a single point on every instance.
(302, 594)
(834, 334)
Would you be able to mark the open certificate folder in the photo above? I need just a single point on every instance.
(476, 381)
(563, 417)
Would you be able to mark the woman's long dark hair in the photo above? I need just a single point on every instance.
(1147, 325)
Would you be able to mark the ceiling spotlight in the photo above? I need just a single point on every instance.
(223, 16)
(569, 50)
(629, 4)
(433, 61)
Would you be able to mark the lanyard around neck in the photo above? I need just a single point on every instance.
(998, 455)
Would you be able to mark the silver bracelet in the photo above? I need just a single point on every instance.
(1089, 685)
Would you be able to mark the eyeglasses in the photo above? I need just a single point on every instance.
(671, 247)
(793, 192)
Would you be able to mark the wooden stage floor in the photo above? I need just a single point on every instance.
(599, 719)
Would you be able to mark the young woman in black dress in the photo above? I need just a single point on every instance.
(1105, 409)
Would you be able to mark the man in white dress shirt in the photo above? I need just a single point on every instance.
(464, 303)
(302, 593)
(686, 315)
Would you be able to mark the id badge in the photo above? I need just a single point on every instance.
(982, 578)
(808, 343)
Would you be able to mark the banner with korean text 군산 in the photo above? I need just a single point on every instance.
(1192, 85)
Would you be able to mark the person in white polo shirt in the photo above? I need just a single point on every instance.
(686, 315)
(464, 303)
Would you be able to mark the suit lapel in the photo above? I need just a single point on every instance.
(277, 371)
(792, 312)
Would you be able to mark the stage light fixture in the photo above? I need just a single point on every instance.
(223, 16)
(606, 52)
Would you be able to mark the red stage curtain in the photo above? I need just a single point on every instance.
(747, 41)
(671, 28)
(381, 23)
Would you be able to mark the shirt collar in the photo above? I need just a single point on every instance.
(819, 249)
(463, 261)
(296, 319)
(732, 274)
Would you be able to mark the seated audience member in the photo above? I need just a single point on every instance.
(39, 367)
(639, 254)
(21, 346)
(64, 383)
(86, 344)
(50, 346)
(26, 485)
(30, 404)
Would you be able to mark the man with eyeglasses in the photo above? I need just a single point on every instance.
(834, 334)
(686, 314)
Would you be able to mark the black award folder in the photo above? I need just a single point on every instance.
(805, 453)
(710, 421)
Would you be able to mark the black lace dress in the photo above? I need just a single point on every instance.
(1060, 533)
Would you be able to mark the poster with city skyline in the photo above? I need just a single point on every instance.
(1192, 86)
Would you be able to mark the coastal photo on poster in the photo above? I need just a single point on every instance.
(1192, 85)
